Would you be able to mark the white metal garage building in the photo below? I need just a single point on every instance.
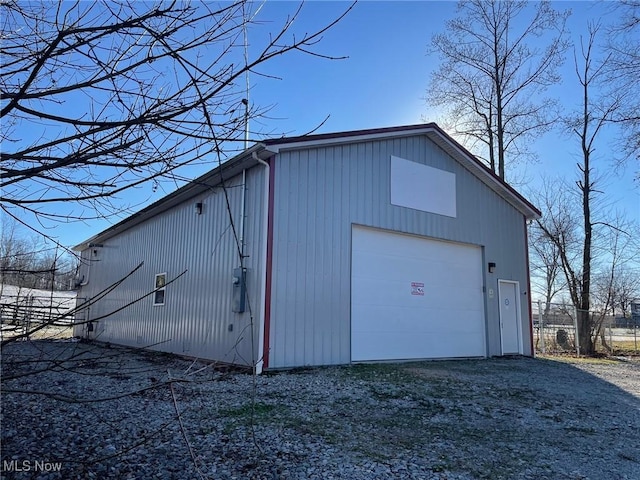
(387, 244)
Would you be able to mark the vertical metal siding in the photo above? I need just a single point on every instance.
(196, 317)
(321, 192)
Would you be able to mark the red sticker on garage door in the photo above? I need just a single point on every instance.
(417, 288)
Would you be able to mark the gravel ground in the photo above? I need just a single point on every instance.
(508, 418)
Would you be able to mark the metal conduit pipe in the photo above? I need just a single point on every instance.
(85, 281)
(243, 215)
(263, 263)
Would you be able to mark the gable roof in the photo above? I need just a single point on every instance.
(269, 147)
(435, 134)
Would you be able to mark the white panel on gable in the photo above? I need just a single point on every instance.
(421, 187)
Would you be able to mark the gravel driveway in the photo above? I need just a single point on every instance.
(508, 418)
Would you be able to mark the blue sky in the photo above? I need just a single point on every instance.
(383, 83)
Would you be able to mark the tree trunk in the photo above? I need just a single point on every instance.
(499, 107)
(492, 154)
(587, 346)
(499, 124)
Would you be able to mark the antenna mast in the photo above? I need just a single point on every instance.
(245, 100)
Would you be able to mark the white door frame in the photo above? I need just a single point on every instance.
(518, 314)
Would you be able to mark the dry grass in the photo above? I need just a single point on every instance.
(626, 345)
(572, 359)
(47, 333)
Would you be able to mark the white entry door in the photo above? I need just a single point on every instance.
(510, 325)
(414, 297)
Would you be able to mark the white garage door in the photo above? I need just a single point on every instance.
(413, 297)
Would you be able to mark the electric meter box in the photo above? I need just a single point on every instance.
(239, 289)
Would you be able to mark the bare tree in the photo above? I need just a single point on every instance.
(623, 74)
(624, 290)
(99, 97)
(617, 282)
(559, 227)
(544, 255)
(28, 262)
(579, 254)
(493, 73)
(16, 254)
(545, 265)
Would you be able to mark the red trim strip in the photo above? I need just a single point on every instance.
(268, 273)
(349, 133)
(526, 251)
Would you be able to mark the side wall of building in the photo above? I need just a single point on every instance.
(196, 319)
(321, 192)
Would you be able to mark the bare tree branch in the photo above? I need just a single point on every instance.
(100, 97)
(493, 73)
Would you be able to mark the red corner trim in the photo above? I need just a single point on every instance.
(268, 273)
(526, 251)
